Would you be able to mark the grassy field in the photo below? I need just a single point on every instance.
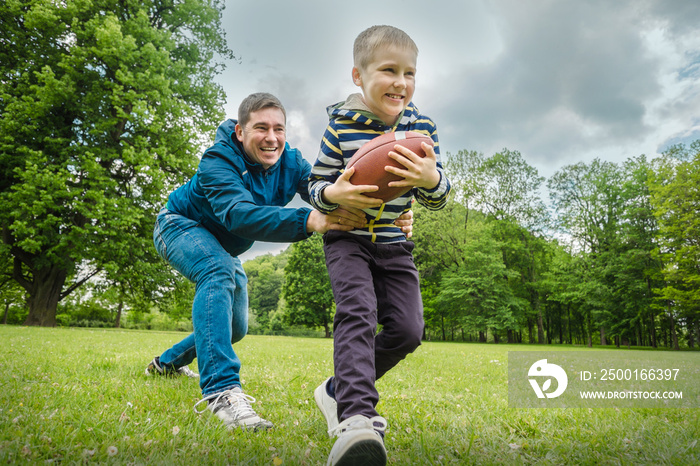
(80, 396)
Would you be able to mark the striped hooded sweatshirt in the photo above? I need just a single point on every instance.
(351, 125)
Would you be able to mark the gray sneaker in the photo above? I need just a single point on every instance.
(359, 442)
(154, 367)
(233, 408)
(327, 405)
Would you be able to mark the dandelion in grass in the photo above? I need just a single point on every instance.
(112, 451)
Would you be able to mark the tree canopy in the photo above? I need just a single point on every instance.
(104, 107)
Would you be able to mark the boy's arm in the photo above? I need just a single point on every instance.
(436, 198)
(329, 185)
(325, 171)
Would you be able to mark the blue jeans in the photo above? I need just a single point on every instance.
(220, 307)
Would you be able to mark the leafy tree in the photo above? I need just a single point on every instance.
(506, 189)
(441, 238)
(307, 287)
(265, 280)
(632, 265)
(509, 189)
(478, 289)
(559, 284)
(11, 299)
(675, 194)
(103, 104)
(589, 206)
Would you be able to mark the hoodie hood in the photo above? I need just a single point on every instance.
(355, 108)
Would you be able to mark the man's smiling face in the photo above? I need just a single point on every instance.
(264, 135)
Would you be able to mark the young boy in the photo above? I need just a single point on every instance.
(372, 272)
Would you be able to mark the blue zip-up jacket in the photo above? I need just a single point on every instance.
(239, 201)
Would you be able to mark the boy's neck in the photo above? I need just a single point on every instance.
(356, 102)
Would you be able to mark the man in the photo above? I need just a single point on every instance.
(238, 196)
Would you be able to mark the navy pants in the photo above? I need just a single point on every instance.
(373, 283)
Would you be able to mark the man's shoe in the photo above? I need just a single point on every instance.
(154, 367)
(359, 442)
(233, 408)
(327, 405)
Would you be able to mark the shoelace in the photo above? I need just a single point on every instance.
(359, 421)
(239, 401)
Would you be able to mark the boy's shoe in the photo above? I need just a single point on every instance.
(233, 408)
(359, 442)
(327, 405)
(154, 367)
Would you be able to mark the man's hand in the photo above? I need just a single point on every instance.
(405, 222)
(343, 192)
(343, 218)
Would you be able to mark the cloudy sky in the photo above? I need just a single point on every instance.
(560, 81)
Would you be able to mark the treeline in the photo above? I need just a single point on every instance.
(600, 253)
(613, 259)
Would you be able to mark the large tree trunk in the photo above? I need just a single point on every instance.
(672, 330)
(120, 308)
(540, 324)
(589, 332)
(44, 295)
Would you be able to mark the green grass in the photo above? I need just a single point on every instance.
(80, 396)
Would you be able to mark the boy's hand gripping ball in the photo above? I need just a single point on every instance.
(370, 159)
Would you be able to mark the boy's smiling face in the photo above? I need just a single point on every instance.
(388, 81)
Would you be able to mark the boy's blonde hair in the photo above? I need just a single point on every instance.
(369, 40)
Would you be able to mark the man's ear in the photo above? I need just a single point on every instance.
(356, 77)
(239, 132)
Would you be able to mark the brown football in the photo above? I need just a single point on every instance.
(370, 159)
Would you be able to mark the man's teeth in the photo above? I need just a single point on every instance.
(268, 149)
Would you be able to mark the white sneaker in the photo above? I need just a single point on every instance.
(154, 367)
(359, 442)
(233, 408)
(327, 405)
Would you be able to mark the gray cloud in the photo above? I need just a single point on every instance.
(560, 81)
(571, 77)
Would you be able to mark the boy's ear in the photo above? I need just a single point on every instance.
(356, 78)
